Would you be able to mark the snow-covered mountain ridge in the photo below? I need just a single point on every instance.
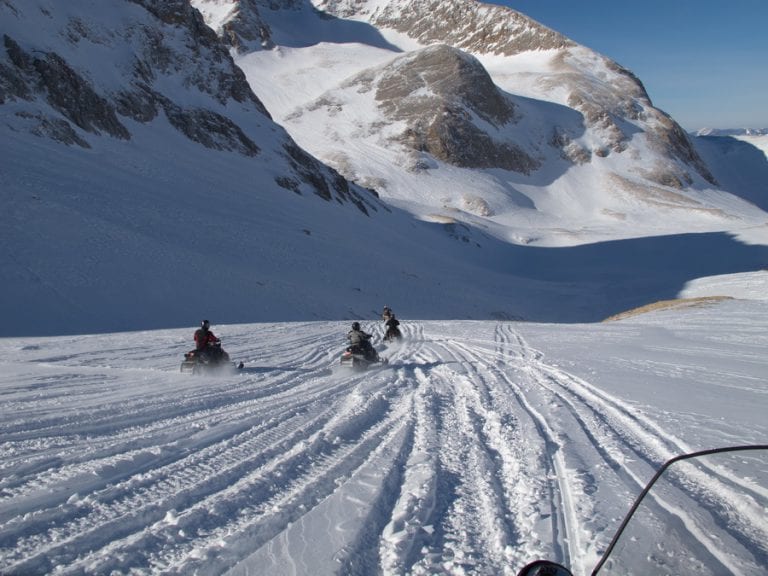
(585, 143)
(152, 175)
(732, 132)
(159, 54)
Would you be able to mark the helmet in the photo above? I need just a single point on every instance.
(205, 324)
(355, 325)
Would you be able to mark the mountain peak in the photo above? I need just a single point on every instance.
(466, 24)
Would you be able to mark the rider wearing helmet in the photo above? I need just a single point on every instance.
(360, 340)
(205, 340)
(392, 328)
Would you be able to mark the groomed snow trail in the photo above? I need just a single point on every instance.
(467, 454)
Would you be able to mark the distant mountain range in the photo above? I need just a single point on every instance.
(289, 160)
(732, 132)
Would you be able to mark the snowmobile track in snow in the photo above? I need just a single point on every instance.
(468, 453)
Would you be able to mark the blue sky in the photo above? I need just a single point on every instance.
(704, 62)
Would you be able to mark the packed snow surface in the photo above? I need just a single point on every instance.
(480, 446)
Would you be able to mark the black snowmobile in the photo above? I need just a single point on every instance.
(360, 359)
(392, 333)
(392, 324)
(360, 354)
(212, 360)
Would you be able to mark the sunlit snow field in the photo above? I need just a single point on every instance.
(482, 445)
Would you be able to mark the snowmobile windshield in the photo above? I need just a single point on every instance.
(704, 513)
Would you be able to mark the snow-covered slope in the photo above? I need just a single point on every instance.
(759, 141)
(574, 151)
(482, 446)
(740, 163)
(144, 185)
(141, 178)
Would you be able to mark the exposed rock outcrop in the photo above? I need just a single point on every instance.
(49, 75)
(204, 62)
(444, 96)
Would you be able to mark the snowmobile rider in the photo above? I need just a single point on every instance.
(206, 341)
(392, 326)
(360, 340)
(386, 313)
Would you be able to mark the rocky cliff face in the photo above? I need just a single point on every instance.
(439, 93)
(239, 23)
(72, 73)
(33, 72)
(26, 76)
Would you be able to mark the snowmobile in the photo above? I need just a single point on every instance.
(215, 360)
(360, 358)
(702, 513)
(392, 333)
